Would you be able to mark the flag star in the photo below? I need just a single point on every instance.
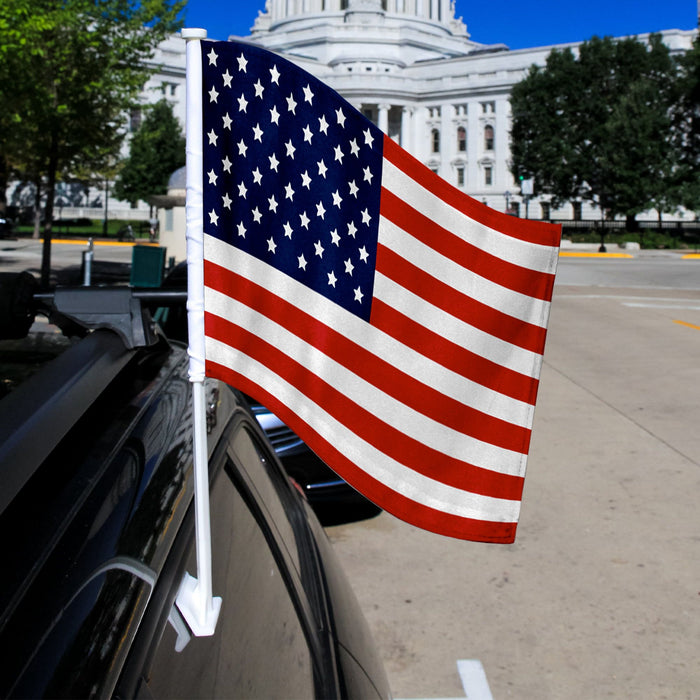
(291, 104)
(335, 237)
(274, 115)
(364, 254)
(242, 63)
(306, 180)
(352, 229)
(369, 139)
(273, 162)
(257, 216)
(337, 199)
(304, 220)
(242, 190)
(332, 279)
(319, 249)
(349, 267)
(271, 245)
(287, 230)
(320, 210)
(322, 169)
(323, 125)
(227, 121)
(302, 262)
(290, 148)
(368, 175)
(257, 132)
(340, 117)
(213, 217)
(307, 133)
(366, 218)
(354, 189)
(212, 56)
(258, 89)
(274, 75)
(241, 230)
(227, 79)
(242, 148)
(339, 154)
(354, 148)
(308, 95)
(226, 164)
(273, 203)
(212, 177)
(289, 191)
(213, 95)
(212, 138)
(227, 201)
(257, 176)
(358, 294)
(242, 103)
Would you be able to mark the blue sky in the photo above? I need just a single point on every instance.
(517, 23)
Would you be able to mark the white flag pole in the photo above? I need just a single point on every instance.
(194, 599)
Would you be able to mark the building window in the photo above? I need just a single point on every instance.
(135, 119)
(460, 176)
(577, 210)
(461, 139)
(546, 211)
(488, 175)
(488, 137)
(435, 140)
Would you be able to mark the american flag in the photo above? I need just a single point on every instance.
(396, 324)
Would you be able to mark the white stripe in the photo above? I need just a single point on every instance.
(507, 301)
(378, 343)
(455, 330)
(530, 255)
(408, 483)
(474, 681)
(400, 416)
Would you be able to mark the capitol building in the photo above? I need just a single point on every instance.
(411, 67)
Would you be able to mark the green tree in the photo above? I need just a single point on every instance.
(157, 149)
(71, 71)
(597, 126)
(687, 128)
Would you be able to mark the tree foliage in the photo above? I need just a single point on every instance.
(69, 72)
(157, 149)
(597, 126)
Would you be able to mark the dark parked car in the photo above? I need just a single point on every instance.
(97, 523)
(333, 499)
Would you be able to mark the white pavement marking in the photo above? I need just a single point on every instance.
(474, 679)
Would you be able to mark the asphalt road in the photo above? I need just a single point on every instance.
(599, 597)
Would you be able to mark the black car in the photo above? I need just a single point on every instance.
(97, 523)
(333, 499)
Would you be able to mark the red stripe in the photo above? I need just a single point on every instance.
(520, 279)
(415, 513)
(473, 312)
(451, 356)
(401, 386)
(522, 229)
(401, 447)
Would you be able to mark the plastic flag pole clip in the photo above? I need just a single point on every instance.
(194, 599)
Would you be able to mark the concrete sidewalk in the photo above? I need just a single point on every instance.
(599, 597)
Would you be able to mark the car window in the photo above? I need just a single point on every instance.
(260, 648)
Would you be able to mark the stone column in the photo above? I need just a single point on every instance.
(383, 117)
(406, 128)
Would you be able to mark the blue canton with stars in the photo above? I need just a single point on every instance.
(292, 172)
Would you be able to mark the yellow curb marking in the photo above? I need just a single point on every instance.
(689, 325)
(570, 254)
(108, 243)
(691, 256)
